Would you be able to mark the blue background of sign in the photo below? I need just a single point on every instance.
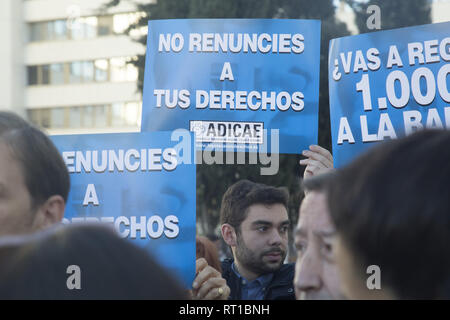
(140, 193)
(252, 71)
(346, 101)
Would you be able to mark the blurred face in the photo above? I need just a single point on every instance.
(351, 283)
(16, 214)
(316, 273)
(262, 240)
(354, 281)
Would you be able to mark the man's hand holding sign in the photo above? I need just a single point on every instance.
(208, 283)
(318, 160)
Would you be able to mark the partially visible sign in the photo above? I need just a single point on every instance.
(138, 183)
(387, 84)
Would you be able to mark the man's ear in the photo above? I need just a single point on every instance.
(229, 234)
(49, 213)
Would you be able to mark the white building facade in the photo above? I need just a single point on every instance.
(64, 65)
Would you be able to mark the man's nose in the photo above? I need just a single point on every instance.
(307, 273)
(276, 238)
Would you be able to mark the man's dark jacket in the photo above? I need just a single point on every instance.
(280, 288)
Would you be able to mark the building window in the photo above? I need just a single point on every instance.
(34, 116)
(88, 71)
(45, 118)
(101, 70)
(58, 118)
(88, 117)
(48, 31)
(32, 75)
(101, 116)
(81, 71)
(57, 73)
(105, 25)
(76, 30)
(60, 30)
(76, 70)
(118, 114)
(37, 31)
(90, 25)
(121, 114)
(75, 117)
(84, 27)
(45, 74)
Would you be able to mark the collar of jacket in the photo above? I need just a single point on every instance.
(283, 277)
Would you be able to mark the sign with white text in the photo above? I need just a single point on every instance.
(138, 183)
(387, 84)
(234, 82)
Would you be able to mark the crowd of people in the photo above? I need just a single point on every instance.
(389, 208)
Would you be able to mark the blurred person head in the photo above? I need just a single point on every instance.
(391, 209)
(205, 248)
(34, 181)
(255, 225)
(38, 266)
(213, 237)
(316, 272)
(216, 240)
(222, 248)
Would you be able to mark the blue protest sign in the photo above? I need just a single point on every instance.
(387, 84)
(141, 183)
(233, 80)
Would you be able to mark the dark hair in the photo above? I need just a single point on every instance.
(241, 195)
(391, 207)
(44, 170)
(212, 237)
(205, 248)
(318, 182)
(35, 267)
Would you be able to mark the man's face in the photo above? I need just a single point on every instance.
(262, 239)
(16, 215)
(316, 273)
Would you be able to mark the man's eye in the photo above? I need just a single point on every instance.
(262, 229)
(327, 250)
(284, 229)
(300, 247)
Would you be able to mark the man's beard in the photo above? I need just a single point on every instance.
(253, 261)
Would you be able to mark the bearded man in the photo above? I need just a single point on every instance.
(255, 225)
